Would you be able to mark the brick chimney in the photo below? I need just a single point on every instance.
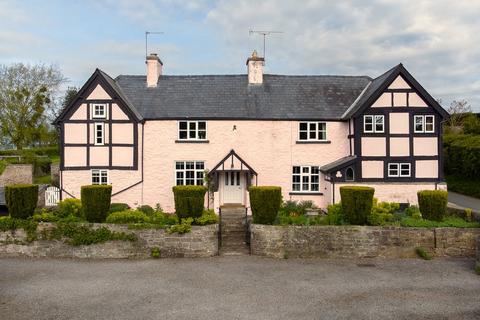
(255, 68)
(154, 69)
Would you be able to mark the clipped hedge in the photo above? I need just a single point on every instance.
(265, 203)
(462, 155)
(21, 200)
(189, 201)
(433, 204)
(357, 202)
(96, 202)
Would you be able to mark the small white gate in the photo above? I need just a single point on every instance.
(52, 196)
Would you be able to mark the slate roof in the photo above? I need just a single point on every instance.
(230, 96)
(337, 164)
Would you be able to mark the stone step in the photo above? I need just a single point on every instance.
(235, 252)
(233, 239)
(228, 229)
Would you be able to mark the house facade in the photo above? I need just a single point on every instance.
(308, 134)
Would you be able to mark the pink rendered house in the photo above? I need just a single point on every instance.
(308, 134)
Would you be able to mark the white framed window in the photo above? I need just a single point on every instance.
(99, 133)
(424, 124)
(373, 123)
(189, 173)
(99, 176)
(312, 131)
(305, 179)
(99, 110)
(399, 169)
(192, 130)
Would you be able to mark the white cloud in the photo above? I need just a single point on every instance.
(436, 40)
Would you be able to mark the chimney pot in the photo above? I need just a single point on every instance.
(255, 68)
(154, 69)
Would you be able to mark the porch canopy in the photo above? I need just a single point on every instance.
(232, 162)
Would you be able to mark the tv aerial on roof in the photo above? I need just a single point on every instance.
(147, 33)
(264, 33)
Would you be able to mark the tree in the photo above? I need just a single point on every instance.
(27, 101)
(458, 110)
(70, 94)
(471, 124)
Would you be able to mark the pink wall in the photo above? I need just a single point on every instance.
(425, 146)
(374, 146)
(399, 147)
(426, 168)
(392, 191)
(399, 122)
(372, 169)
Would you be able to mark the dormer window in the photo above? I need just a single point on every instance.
(192, 130)
(312, 131)
(99, 110)
(374, 124)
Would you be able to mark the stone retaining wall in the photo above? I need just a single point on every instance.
(360, 241)
(202, 241)
(17, 173)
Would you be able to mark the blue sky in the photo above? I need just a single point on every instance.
(437, 41)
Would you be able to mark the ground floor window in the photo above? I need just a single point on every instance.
(99, 176)
(189, 173)
(305, 179)
(399, 169)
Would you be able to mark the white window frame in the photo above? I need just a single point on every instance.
(184, 171)
(424, 123)
(374, 118)
(95, 133)
(316, 130)
(188, 130)
(399, 169)
(102, 173)
(105, 110)
(308, 174)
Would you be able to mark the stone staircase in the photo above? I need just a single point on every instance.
(233, 232)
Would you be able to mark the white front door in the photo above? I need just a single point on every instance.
(233, 187)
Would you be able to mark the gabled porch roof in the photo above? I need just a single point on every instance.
(232, 161)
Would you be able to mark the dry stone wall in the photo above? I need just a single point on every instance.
(360, 241)
(200, 242)
(17, 173)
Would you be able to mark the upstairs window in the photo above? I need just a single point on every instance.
(306, 179)
(374, 123)
(189, 173)
(312, 131)
(99, 134)
(192, 130)
(99, 176)
(424, 124)
(99, 110)
(399, 169)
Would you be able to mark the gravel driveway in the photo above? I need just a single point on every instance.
(238, 288)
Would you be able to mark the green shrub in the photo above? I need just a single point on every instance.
(148, 210)
(265, 203)
(85, 235)
(335, 214)
(162, 218)
(45, 216)
(184, 226)
(453, 222)
(96, 202)
(70, 207)
(413, 211)
(433, 204)
(382, 212)
(462, 155)
(477, 269)
(155, 252)
(8, 223)
(189, 201)
(469, 186)
(357, 202)
(21, 200)
(207, 217)
(127, 216)
(422, 253)
(115, 207)
(297, 207)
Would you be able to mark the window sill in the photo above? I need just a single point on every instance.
(313, 141)
(299, 193)
(192, 141)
